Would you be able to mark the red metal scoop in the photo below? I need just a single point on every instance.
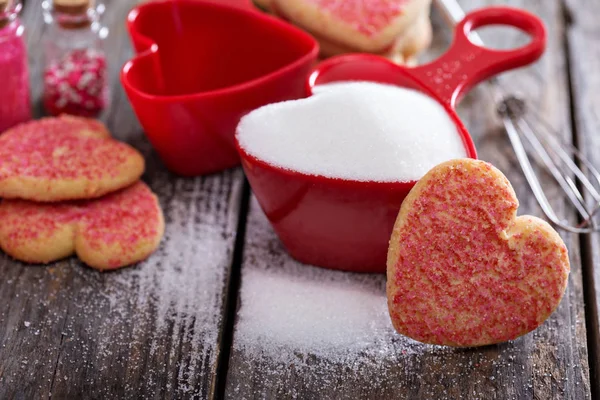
(345, 224)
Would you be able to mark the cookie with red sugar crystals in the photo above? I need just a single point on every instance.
(113, 231)
(64, 158)
(373, 26)
(463, 269)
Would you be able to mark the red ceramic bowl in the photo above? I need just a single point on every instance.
(344, 224)
(200, 67)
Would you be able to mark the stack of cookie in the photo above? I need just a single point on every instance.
(69, 188)
(396, 29)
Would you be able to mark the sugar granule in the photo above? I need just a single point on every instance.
(354, 130)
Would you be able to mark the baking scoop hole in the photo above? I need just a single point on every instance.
(501, 37)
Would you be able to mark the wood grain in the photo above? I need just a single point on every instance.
(153, 331)
(549, 363)
(150, 331)
(584, 54)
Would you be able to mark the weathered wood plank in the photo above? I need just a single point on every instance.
(584, 48)
(29, 295)
(548, 363)
(150, 331)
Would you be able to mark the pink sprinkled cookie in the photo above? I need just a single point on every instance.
(106, 233)
(64, 158)
(399, 27)
(463, 269)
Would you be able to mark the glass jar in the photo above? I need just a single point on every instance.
(75, 68)
(15, 106)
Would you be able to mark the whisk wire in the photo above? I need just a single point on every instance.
(565, 181)
(523, 159)
(558, 162)
(564, 162)
(558, 148)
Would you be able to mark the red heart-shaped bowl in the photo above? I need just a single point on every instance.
(200, 67)
(346, 224)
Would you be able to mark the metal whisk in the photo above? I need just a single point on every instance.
(575, 174)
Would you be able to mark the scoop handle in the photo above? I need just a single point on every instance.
(466, 63)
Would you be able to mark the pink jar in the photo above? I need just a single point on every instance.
(15, 106)
(75, 69)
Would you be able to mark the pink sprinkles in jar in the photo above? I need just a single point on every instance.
(77, 84)
(15, 105)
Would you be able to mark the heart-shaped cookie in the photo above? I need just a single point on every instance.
(462, 268)
(106, 233)
(64, 158)
(364, 25)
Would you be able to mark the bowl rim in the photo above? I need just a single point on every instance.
(246, 157)
(461, 130)
(301, 35)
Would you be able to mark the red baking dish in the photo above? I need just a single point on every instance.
(345, 224)
(200, 66)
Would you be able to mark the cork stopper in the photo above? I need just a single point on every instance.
(72, 13)
(72, 7)
(5, 5)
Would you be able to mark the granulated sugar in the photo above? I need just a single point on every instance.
(175, 294)
(313, 313)
(289, 307)
(304, 332)
(150, 330)
(356, 130)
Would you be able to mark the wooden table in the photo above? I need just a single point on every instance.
(170, 327)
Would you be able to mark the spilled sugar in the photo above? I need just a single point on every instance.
(174, 298)
(306, 332)
(354, 130)
(150, 330)
(312, 312)
(288, 307)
